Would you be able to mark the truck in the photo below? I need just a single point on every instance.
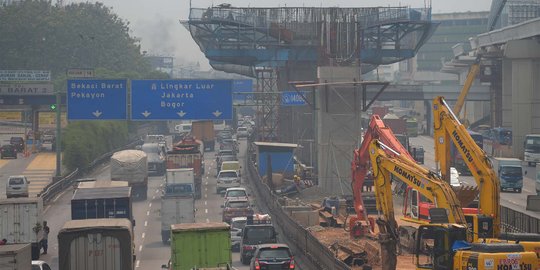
(204, 131)
(175, 209)
(131, 166)
(21, 222)
(96, 244)
(510, 173)
(396, 124)
(531, 149)
(108, 202)
(16, 257)
(200, 245)
(180, 181)
(187, 154)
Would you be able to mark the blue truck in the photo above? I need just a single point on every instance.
(102, 202)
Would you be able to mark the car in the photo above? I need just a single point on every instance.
(236, 207)
(236, 192)
(18, 142)
(253, 235)
(227, 179)
(454, 177)
(242, 132)
(272, 256)
(40, 265)
(8, 150)
(222, 159)
(237, 225)
(17, 186)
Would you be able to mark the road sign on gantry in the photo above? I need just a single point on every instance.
(181, 99)
(96, 100)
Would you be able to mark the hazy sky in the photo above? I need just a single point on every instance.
(156, 22)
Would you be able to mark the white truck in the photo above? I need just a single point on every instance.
(21, 222)
(15, 257)
(175, 209)
(531, 149)
(96, 244)
(510, 173)
(180, 181)
(131, 166)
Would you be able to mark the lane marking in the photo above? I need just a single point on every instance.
(150, 205)
(206, 211)
(205, 189)
(137, 264)
(140, 248)
(143, 235)
(147, 213)
(206, 183)
(154, 197)
(205, 202)
(207, 221)
(146, 223)
(205, 196)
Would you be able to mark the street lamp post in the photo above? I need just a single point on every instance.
(58, 137)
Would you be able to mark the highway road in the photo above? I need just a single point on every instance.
(516, 201)
(150, 251)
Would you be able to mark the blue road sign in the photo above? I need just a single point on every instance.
(242, 86)
(181, 99)
(293, 98)
(96, 100)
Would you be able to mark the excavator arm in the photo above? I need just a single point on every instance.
(448, 129)
(377, 130)
(426, 182)
(473, 71)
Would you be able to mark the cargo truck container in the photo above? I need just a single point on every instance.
(16, 257)
(21, 222)
(175, 209)
(108, 202)
(204, 131)
(131, 166)
(96, 244)
(510, 173)
(187, 154)
(200, 245)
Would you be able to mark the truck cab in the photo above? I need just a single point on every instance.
(532, 149)
(510, 173)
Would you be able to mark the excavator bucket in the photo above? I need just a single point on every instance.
(466, 194)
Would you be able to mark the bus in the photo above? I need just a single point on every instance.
(456, 159)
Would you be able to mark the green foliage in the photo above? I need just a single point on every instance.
(85, 141)
(37, 35)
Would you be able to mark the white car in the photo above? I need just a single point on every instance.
(227, 179)
(40, 265)
(242, 132)
(236, 192)
(454, 177)
(17, 186)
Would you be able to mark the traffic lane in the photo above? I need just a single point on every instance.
(59, 212)
(10, 167)
(209, 207)
(150, 252)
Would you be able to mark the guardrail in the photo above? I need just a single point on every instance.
(516, 221)
(296, 236)
(56, 187)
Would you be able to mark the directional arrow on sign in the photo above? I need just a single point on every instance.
(146, 114)
(217, 113)
(97, 113)
(181, 113)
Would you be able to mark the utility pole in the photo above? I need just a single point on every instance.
(58, 137)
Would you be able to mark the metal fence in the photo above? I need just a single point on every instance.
(300, 239)
(56, 187)
(515, 221)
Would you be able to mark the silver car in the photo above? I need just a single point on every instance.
(17, 186)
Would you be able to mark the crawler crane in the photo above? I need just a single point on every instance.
(441, 244)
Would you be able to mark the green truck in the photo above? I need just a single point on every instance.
(200, 245)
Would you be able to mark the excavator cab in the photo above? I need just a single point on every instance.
(435, 245)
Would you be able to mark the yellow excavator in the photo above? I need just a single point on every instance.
(448, 129)
(442, 244)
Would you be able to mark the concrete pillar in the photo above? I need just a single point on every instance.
(338, 127)
(524, 56)
(506, 102)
